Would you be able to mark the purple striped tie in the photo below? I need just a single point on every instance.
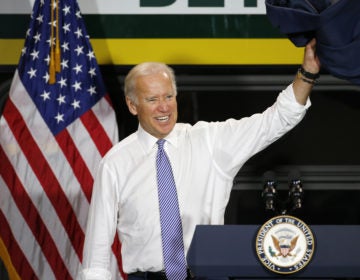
(171, 228)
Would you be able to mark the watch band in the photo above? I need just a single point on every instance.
(308, 75)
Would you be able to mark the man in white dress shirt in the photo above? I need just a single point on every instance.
(205, 158)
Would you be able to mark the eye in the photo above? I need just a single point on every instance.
(169, 97)
(151, 99)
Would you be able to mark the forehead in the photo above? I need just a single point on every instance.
(154, 83)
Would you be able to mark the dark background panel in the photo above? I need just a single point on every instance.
(320, 207)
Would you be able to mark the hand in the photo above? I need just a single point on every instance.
(311, 62)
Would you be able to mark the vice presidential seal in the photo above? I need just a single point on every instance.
(285, 244)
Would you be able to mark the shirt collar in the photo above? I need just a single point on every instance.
(149, 142)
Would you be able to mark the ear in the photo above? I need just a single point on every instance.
(131, 106)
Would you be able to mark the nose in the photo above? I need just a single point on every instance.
(163, 104)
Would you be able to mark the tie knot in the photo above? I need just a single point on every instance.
(160, 143)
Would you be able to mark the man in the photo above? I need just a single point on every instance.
(204, 159)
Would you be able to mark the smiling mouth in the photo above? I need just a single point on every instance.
(163, 119)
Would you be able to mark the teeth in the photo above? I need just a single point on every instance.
(163, 118)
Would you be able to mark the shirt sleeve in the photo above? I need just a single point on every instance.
(233, 142)
(101, 227)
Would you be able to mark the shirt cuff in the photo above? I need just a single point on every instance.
(94, 274)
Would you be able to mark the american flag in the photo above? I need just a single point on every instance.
(56, 125)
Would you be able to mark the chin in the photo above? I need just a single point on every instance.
(165, 132)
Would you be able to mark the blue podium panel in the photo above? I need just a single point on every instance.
(229, 251)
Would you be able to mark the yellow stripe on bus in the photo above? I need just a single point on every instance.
(179, 51)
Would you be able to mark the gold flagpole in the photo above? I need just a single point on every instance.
(57, 42)
(52, 78)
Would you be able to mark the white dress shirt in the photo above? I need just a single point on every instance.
(205, 158)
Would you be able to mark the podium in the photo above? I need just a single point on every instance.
(220, 251)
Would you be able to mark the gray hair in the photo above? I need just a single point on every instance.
(144, 69)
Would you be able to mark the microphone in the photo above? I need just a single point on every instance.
(296, 191)
(269, 190)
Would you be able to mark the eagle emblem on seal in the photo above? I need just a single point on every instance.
(284, 246)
